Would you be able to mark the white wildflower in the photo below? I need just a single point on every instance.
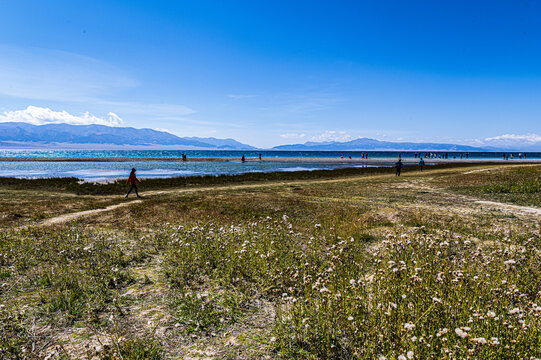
(480, 340)
(461, 333)
(409, 326)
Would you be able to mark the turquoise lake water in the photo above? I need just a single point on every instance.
(99, 171)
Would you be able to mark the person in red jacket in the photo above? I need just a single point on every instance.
(133, 180)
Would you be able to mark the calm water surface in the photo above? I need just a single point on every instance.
(99, 171)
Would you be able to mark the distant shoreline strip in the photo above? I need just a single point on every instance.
(370, 161)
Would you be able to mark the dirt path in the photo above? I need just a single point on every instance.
(75, 215)
(514, 209)
(495, 168)
(495, 205)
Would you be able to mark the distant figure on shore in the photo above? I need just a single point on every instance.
(184, 157)
(133, 180)
(243, 159)
(421, 164)
(398, 165)
(259, 156)
(350, 156)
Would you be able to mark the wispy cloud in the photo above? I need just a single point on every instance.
(311, 103)
(332, 135)
(240, 96)
(44, 74)
(327, 135)
(162, 111)
(40, 116)
(515, 138)
(293, 136)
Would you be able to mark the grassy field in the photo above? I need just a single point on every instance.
(345, 264)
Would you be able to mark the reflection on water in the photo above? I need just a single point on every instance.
(99, 171)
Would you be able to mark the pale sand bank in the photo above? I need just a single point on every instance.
(374, 161)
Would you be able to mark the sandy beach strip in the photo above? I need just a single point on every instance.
(271, 160)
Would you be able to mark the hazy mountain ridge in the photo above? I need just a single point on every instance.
(51, 136)
(21, 134)
(372, 144)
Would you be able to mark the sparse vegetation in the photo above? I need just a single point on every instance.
(341, 266)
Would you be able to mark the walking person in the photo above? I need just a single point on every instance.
(398, 165)
(421, 164)
(243, 159)
(133, 180)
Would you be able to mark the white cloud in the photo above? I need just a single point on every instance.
(39, 116)
(515, 139)
(331, 135)
(293, 136)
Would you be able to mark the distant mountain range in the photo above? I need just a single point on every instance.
(18, 134)
(51, 136)
(375, 145)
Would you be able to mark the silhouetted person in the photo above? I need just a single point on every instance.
(259, 156)
(133, 180)
(398, 165)
(421, 164)
(243, 159)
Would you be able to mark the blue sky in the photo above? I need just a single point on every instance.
(275, 72)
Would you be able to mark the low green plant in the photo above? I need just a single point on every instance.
(134, 349)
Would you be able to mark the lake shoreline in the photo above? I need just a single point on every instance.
(371, 161)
